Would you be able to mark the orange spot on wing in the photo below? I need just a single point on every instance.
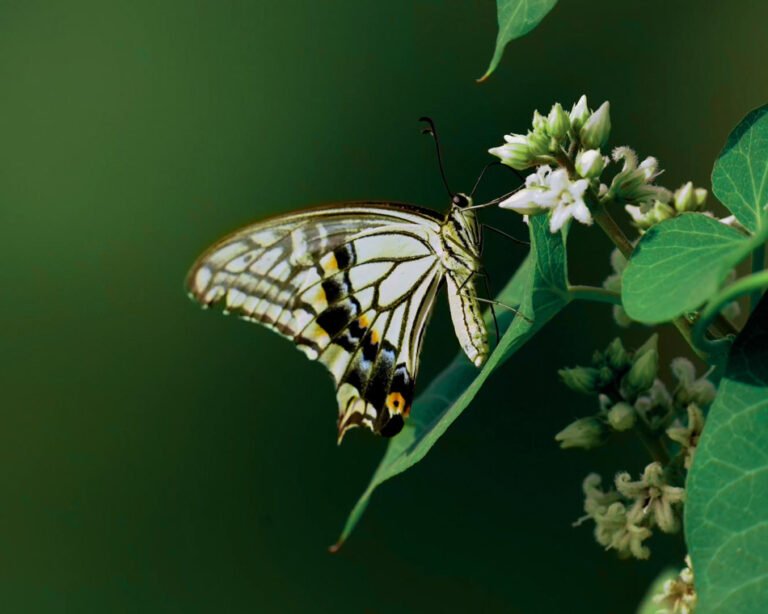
(375, 337)
(396, 403)
(363, 321)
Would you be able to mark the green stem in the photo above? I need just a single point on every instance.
(758, 265)
(752, 284)
(620, 240)
(594, 294)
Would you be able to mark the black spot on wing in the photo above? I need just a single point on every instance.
(392, 426)
(335, 288)
(345, 256)
(336, 318)
(378, 384)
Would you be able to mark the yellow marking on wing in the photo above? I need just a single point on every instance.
(375, 338)
(363, 321)
(316, 297)
(329, 264)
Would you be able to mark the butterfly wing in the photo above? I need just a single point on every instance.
(352, 285)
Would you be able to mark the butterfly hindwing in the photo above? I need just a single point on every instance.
(353, 286)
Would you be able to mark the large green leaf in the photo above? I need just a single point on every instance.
(678, 265)
(740, 175)
(726, 514)
(540, 289)
(516, 18)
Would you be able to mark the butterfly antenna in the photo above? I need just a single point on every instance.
(432, 130)
(482, 172)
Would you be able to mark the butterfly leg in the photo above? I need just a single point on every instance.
(508, 236)
(504, 305)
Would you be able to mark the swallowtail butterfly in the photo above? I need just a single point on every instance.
(353, 285)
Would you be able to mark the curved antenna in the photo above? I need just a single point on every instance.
(433, 131)
(482, 172)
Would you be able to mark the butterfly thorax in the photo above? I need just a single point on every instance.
(459, 251)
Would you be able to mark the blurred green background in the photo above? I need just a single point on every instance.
(157, 458)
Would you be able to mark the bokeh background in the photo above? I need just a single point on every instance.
(158, 458)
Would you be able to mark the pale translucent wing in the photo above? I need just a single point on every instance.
(352, 285)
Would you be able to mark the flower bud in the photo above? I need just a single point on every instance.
(622, 416)
(539, 142)
(558, 122)
(685, 198)
(516, 152)
(584, 433)
(580, 379)
(594, 133)
(616, 356)
(539, 121)
(579, 114)
(590, 163)
(641, 375)
(700, 195)
(651, 343)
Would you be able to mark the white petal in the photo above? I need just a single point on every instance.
(579, 211)
(559, 217)
(521, 202)
(578, 188)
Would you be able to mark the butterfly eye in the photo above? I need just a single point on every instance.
(459, 200)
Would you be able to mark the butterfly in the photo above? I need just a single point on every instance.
(354, 285)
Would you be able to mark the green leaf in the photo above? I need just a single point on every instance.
(726, 514)
(740, 175)
(540, 289)
(678, 265)
(516, 18)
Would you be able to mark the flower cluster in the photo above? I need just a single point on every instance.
(632, 397)
(678, 596)
(628, 389)
(567, 150)
(625, 516)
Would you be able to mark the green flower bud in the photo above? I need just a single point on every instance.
(539, 142)
(558, 122)
(584, 433)
(590, 163)
(622, 416)
(539, 121)
(652, 343)
(616, 356)
(579, 114)
(580, 379)
(641, 375)
(516, 152)
(700, 194)
(685, 199)
(594, 133)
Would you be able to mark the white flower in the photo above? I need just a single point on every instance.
(548, 190)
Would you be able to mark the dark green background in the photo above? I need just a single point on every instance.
(156, 458)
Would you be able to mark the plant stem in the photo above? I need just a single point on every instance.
(752, 284)
(758, 265)
(611, 228)
(595, 294)
(620, 240)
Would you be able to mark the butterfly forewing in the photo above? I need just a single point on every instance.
(352, 285)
